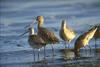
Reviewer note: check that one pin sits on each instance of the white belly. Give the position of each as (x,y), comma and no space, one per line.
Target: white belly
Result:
(35,46)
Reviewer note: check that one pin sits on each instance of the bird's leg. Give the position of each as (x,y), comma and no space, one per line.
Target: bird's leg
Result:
(52,52)
(38,54)
(95,46)
(52,49)
(45,61)
(90,49)
(34,55)
(68,45)
(65,48)
(65,45)
(84,50)
(44,54)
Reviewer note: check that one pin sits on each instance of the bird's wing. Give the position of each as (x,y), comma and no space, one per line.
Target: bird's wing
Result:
(70,30)
(45,33)
(61,34)
(36,39)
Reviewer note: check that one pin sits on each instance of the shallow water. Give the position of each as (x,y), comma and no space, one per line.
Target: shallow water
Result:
(16,14)
(25,58)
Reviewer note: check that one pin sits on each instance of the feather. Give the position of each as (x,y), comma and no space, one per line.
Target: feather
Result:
(47,35)
(36,39)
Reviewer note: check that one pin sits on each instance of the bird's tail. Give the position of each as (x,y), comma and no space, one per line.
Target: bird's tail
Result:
(56,40)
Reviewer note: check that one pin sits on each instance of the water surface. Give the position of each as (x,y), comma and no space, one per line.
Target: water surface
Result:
(16,14)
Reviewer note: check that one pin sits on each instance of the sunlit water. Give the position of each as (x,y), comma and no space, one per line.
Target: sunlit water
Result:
(81,15)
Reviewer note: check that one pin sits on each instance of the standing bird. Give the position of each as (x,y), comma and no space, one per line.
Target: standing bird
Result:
(48,36)
(84,39)
(66,33)
(35,41)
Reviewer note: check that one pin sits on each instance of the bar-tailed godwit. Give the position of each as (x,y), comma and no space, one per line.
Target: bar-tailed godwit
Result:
(35,41)
(48,36)
(66,33)
(84,39)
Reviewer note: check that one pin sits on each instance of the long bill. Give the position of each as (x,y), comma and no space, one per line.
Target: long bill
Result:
(23,34)
(30,23)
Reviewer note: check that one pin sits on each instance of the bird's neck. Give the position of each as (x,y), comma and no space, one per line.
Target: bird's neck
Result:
(40,24)
(32,32)
(63,26)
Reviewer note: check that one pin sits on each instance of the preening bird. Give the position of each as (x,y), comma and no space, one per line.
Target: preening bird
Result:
(84,39)
(66,33)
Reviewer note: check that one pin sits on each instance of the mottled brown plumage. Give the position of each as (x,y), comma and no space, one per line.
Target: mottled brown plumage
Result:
(48,36)
(84,39)
(36,42)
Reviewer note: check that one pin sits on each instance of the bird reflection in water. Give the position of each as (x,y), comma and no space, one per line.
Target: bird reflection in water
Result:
(67,54)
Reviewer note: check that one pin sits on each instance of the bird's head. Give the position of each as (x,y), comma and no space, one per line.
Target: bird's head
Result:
(40,19)
(29,30)
(63,25)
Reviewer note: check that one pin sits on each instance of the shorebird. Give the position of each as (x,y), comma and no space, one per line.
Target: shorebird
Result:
(48,36)
(35,41)
(66,33)
(84,39)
